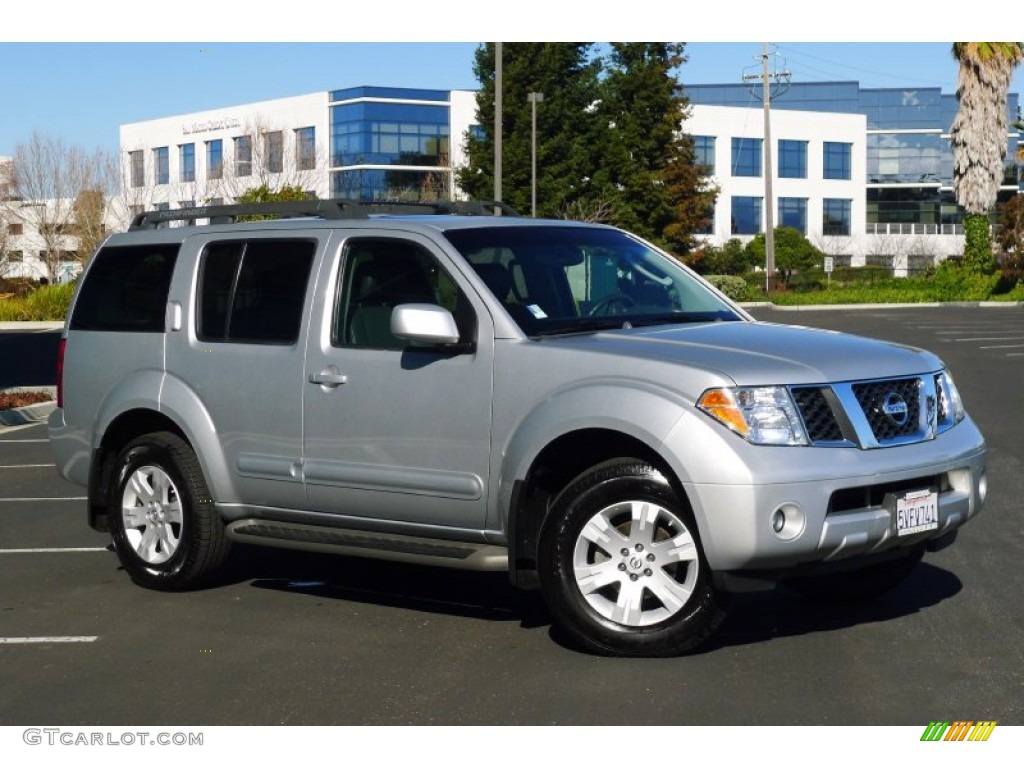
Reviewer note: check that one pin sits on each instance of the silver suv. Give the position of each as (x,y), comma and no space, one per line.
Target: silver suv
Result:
(557,400)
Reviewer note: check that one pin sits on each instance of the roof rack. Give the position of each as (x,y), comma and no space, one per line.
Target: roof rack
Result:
(325,209)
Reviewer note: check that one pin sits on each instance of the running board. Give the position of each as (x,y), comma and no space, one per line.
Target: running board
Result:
(381,546)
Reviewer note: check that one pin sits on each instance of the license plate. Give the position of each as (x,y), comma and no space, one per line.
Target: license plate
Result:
(917,511)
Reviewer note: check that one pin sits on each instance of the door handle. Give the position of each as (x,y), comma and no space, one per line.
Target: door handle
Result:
(329,377)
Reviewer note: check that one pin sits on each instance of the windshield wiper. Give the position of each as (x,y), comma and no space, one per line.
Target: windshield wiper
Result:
(683,317)
(586,325)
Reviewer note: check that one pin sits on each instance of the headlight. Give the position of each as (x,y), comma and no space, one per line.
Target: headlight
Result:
(762,415)
(951,407)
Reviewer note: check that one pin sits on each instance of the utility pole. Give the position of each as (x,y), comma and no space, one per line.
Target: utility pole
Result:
(534,98)
(497,125)
(769,204)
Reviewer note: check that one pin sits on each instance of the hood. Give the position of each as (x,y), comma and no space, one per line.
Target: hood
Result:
(754,353)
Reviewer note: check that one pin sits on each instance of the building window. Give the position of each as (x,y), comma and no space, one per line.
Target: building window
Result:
(792,159)
(187,156)
(305,148)
(243,156)
(15,229)
(273,150)
(161,166)
(136,160)
(746,157)
(214,159)
(704,153)
(837,160)
(836,218)
(15,256)
(389,134)
(746,215)
(793,213)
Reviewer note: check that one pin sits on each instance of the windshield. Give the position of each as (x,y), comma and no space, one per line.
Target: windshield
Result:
(560,279)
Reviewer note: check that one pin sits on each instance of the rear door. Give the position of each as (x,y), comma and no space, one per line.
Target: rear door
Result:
(239,348)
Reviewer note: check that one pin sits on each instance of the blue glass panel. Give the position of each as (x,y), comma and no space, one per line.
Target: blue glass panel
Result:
(793,213)
(746,215)
(837,160)
(746,157)
(704,152)
(792,159)
(836,217)
(885,108)
(161,165)
(376,184)
(366,91)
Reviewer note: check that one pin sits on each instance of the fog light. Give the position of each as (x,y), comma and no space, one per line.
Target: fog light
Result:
(788,521)
(778,521)
(982,487)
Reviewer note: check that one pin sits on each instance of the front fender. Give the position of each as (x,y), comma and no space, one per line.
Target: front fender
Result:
(640,409)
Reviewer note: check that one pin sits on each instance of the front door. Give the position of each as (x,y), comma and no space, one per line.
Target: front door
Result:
(391,430)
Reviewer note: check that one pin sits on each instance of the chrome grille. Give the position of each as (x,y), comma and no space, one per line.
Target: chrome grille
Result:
(892,408)
(821,423)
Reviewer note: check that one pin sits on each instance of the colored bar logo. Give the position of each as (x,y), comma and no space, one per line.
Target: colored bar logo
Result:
(960,730)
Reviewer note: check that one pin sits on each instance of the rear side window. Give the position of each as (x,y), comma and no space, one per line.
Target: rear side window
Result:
(125,289)
(253,291)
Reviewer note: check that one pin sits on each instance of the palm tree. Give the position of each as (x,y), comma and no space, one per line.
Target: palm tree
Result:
(979,139)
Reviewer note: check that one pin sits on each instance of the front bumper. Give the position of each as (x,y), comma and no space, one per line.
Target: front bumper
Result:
(838,502)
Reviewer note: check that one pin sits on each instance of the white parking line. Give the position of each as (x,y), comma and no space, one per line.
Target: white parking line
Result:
(56,639)
(45,498)
(24,466)
(992,338)
(23,441)
(50,550)
(1003,346)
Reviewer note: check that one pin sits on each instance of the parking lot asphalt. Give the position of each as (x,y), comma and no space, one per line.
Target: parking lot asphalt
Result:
(297,639)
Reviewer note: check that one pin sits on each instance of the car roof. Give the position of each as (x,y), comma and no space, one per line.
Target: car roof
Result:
(424,223)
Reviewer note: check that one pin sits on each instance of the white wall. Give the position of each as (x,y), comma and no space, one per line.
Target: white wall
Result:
(726,123)
(198,128)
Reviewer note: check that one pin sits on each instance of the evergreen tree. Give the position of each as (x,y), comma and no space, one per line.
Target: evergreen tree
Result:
(568,77)
(641,111)
(610,144)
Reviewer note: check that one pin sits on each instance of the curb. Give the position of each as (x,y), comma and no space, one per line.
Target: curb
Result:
(28,414)
(31,325)
(844,307)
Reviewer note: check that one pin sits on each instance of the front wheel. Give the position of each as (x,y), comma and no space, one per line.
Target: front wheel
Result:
(164,526)
(621,564)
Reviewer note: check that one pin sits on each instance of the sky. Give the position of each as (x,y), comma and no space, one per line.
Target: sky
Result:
(55,80)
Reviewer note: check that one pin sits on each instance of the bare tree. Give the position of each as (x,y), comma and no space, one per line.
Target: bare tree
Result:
(595,211)
(49,176)
(6,255)
(125,197)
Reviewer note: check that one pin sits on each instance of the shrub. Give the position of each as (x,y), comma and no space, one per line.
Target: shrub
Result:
(732,286)
(50,302)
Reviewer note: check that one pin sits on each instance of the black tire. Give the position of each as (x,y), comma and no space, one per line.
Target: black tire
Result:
(164,526)
(861,584)
(644,597)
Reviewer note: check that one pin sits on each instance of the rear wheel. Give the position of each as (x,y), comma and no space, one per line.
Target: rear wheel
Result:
(165,528)
(621,564)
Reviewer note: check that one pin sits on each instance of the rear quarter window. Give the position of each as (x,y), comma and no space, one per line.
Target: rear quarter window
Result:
(125,289)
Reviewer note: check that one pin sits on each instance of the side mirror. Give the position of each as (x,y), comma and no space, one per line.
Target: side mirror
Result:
(424,323)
